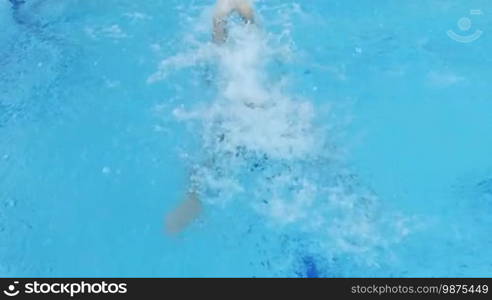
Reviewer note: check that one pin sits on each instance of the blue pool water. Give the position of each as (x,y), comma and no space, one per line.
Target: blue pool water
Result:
(339,138)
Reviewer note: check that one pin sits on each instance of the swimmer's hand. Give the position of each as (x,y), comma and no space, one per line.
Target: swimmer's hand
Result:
(185,214)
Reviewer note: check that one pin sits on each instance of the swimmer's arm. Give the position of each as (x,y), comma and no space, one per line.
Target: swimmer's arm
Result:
(188,210)
(183,215)
(222,12)
(245,10)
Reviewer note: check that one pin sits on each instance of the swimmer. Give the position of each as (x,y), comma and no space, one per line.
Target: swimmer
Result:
(191,207)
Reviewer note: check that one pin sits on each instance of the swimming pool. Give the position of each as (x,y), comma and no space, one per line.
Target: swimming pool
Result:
(340,138)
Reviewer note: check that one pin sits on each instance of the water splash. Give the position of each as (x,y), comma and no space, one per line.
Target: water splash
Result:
(265,146)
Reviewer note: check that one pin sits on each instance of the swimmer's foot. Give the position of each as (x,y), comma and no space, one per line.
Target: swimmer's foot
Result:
(185,214)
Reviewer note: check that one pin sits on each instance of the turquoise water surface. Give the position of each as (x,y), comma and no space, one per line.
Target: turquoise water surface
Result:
(338,138)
